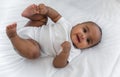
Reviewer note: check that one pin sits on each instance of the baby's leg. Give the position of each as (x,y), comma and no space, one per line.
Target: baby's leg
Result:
(32,13)
(26,47)
(37,23)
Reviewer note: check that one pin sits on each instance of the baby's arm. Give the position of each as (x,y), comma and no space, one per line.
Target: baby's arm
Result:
(61,60)
(50,12)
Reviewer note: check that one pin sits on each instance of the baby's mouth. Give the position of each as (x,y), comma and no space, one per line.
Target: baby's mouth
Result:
(78,38)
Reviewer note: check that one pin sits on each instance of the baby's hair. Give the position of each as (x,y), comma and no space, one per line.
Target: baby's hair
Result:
(99,30)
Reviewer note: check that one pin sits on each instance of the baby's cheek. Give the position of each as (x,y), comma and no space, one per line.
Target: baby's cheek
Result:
(84,45)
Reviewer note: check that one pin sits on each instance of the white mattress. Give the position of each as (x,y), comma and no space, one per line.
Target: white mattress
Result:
(100,61)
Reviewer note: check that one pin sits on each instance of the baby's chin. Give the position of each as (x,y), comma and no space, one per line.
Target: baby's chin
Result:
(75,46)
(79,47)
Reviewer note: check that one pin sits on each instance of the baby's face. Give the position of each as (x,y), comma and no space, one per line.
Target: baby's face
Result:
(85,35)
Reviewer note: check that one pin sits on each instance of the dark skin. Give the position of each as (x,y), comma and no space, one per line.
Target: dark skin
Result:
(82,35)
(60,60)
(30,48)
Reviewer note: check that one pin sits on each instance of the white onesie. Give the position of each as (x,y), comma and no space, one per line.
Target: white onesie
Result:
(50,37)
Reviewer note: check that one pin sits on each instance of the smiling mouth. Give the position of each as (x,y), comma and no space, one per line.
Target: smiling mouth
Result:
(78,38)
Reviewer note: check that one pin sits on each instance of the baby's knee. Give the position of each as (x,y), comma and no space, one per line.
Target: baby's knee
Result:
(34,54)
(34,50)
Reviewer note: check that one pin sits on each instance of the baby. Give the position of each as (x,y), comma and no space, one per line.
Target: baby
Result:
(60,39)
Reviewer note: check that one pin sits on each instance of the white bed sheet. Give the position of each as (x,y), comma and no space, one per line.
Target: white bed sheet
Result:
(100,61)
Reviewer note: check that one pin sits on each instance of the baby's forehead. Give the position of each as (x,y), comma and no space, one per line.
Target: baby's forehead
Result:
(91,25)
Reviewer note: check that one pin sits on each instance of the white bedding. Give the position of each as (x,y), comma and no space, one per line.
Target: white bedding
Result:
(100,61)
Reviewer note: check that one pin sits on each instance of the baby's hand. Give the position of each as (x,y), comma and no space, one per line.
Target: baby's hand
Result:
(66,46)
(42,9)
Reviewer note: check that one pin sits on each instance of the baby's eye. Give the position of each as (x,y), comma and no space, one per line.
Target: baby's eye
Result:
(84,30)
(88,40)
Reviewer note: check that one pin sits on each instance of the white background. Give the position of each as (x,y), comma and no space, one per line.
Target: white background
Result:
(100,61)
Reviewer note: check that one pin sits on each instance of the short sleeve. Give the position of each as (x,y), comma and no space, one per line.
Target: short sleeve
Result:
(62,21)
(73,54)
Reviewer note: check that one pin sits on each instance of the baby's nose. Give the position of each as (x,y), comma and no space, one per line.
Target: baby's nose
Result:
(83,37)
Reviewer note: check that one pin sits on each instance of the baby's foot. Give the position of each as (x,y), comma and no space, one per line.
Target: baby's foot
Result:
(11,30)
(42,9)
(30,10)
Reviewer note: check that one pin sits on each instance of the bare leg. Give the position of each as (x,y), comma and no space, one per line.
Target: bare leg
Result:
(37,23)
(26,47)
(32,13)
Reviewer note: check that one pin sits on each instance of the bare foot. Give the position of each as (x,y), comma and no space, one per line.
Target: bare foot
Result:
(42,9)
(30,10)
(11,30)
